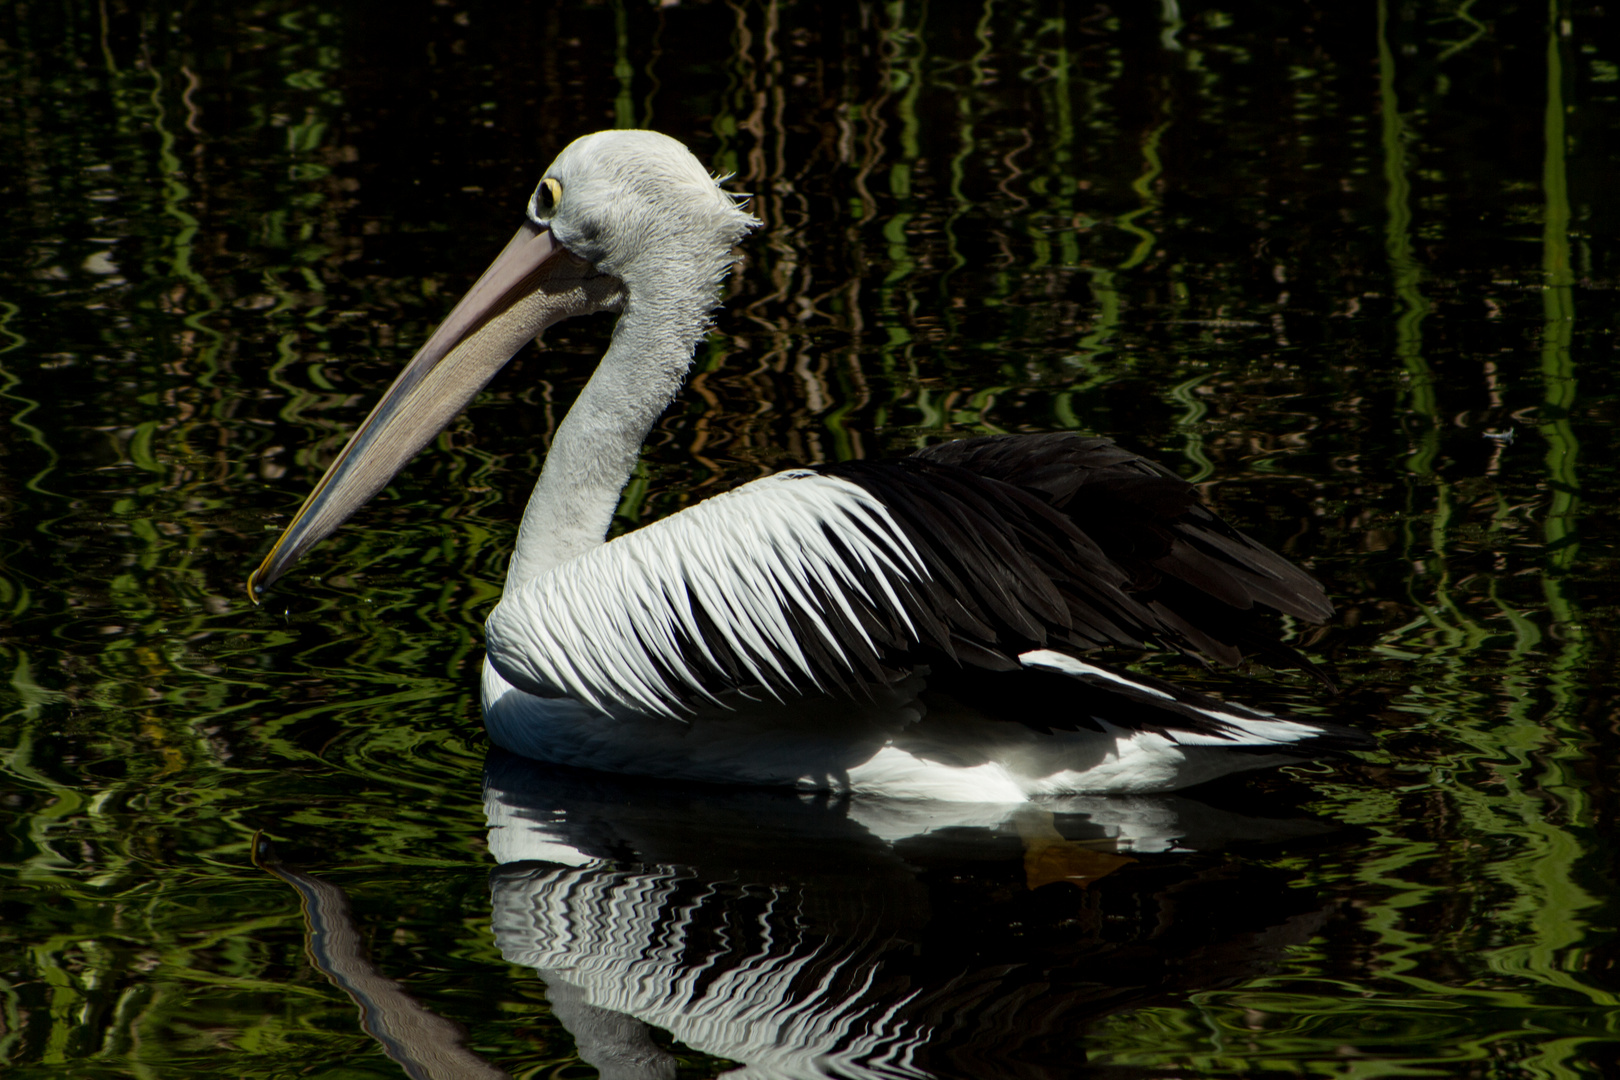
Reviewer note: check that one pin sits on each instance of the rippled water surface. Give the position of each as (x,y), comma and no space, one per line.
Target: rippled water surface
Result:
(1351,267)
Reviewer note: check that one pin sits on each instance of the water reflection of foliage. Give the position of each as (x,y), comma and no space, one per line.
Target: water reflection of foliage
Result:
(1205,233)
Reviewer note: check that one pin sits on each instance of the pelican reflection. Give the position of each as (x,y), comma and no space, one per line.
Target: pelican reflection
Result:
(813,937)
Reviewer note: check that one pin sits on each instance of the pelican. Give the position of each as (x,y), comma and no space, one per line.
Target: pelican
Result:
(919,628)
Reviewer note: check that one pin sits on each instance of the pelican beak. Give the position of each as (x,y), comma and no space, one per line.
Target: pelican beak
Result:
(533,283)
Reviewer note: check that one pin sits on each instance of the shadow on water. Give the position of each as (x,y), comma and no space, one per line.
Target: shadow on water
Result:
(1351,268)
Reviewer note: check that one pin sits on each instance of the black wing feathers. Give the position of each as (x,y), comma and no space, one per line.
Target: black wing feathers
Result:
(1047,541)
(1147,519)
(1052,701)
(1195,583)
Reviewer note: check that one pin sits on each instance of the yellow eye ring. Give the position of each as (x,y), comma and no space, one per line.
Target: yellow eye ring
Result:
(547,195)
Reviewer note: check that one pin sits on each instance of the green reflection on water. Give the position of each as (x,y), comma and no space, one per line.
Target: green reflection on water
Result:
(1404,271)
(1288,250)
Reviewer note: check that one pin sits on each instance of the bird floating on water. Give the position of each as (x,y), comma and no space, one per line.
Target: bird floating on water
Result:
(919,628)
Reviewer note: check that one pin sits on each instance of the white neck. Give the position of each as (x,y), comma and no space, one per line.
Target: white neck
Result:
(599,441)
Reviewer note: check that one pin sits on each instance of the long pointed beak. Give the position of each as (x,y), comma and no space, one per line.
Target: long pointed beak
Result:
(508,306)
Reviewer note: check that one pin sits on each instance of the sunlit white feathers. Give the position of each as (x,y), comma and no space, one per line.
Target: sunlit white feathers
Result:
(618,626)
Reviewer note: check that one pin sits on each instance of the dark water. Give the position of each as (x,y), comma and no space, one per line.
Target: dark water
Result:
(1352,267)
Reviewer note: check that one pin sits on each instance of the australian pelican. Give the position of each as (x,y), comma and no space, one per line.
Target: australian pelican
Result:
(914,628)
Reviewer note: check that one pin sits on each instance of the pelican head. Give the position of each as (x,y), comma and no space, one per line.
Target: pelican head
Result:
(620,218)
(639,206)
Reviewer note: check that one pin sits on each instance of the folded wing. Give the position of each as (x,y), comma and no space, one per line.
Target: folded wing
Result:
(836,579)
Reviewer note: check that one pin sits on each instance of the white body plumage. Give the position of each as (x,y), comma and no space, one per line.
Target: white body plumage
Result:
(605,627)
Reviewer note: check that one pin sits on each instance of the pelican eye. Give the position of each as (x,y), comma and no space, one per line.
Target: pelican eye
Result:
(546,196)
